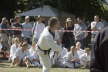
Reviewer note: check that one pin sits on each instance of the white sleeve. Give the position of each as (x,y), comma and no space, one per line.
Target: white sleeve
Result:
(67,56)
(11,51)
(17,53)
(93,25)
(53,45)
(74,30)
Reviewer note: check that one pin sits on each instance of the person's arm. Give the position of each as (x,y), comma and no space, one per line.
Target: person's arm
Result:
(51,43)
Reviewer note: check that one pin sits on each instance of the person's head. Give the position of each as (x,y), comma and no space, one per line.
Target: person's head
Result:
(27,19)
(78,45)
(73,48)
(54,23)
(39,19)
(17,19)
(25,40)
(96,18)
(4,20)
(80,20)
(12,20)
(24,46)
(69,22)
(16,40)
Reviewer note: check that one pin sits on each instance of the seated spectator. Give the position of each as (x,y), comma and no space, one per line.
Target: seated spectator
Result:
(85,58)
(14,48)
(32,58)
(60,58)
(71,58)
(79,50)
(26,41)
(20,54)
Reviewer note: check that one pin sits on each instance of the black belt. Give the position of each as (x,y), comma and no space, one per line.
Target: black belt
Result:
(45,51)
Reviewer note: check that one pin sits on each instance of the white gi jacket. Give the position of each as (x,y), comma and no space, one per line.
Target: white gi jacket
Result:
(46,41)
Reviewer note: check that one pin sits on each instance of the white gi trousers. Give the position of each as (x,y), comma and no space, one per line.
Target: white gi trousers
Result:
(44,60)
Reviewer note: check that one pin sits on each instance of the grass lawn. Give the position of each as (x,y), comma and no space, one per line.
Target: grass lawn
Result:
(4,67)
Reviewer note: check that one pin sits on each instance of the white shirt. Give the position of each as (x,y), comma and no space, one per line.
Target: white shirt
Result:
(64,52)
(85,57)
(97,25)
(69,56)
(20,54)
(46,41)
(13,50)
(32,52)
(80,52)
(1,46)
(39,27)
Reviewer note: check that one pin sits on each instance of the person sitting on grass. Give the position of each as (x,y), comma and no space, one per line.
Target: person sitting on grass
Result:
(32,58)
(85,58)
(20,54)
(13,49)
(71,58)
(60,59)
(79,50)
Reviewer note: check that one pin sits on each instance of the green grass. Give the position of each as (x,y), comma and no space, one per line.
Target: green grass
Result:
(4,67)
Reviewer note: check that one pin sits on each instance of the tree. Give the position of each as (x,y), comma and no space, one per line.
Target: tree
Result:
(7,8)
(85,8)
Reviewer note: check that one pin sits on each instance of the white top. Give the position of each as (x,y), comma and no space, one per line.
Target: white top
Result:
(39,27)
(20,54)
(13,50)
(1,46)
(69,56)
(85,57)
(63,52)
(32,52)
(97,25)
(46,41)
(80,52)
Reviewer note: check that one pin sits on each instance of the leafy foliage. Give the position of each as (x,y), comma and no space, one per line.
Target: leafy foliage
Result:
(78,7)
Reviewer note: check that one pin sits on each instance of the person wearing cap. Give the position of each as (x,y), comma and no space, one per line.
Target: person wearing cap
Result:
(38,28)
(68,37)
(46,43)
(27,29)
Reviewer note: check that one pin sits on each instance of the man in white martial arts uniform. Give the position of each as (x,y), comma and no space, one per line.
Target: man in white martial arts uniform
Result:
(46,43)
